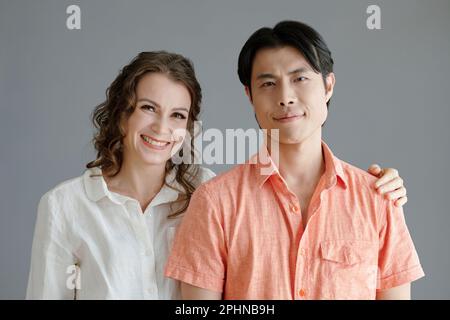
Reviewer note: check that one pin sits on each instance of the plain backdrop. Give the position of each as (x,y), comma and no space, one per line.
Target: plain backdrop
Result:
(390,103)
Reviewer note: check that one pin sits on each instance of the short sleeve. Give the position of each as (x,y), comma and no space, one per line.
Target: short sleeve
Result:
(198,254)
(51,256)
(398,261)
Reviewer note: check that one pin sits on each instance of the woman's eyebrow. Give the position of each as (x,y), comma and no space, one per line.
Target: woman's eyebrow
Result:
(157,104)
(149,100)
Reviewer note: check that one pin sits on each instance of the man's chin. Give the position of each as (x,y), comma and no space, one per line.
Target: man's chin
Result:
(287,137)
(292,141)
(287,140)
(290,137)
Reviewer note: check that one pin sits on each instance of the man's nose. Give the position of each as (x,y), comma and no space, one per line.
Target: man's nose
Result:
(287,96)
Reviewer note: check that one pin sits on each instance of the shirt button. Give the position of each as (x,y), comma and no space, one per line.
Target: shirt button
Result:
(294,208)
(302,293)
(303,252)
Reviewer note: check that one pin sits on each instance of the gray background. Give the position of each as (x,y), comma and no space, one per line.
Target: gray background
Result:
(390,103)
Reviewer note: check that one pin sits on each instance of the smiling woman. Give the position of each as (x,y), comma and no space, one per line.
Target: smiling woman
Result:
(153,92)
(155,120)
(116,222)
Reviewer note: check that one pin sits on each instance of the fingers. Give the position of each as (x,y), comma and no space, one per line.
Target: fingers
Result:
(391,186)
(375,170)
(401,202)
(389,174)
(397,194)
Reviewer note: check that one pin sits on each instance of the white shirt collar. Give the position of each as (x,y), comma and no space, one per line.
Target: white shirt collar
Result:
(96,188)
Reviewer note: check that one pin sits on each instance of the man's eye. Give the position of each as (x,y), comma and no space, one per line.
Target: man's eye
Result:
(268,84)
(179,115)
(300,79)
(148,107)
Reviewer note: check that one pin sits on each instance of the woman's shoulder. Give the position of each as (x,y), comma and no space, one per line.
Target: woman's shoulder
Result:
(68,190)
(196,175)
(204,174)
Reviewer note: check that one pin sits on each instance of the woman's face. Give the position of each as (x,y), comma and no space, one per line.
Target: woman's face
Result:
(155,129)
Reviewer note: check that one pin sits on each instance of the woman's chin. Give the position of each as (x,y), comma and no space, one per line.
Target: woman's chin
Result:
(154,160)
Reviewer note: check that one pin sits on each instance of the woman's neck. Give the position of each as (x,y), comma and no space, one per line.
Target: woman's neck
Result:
(138,181)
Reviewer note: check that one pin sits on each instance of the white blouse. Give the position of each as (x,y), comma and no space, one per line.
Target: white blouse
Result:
(91,243)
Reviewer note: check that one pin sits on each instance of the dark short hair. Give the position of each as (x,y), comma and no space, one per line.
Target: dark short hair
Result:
(286,33)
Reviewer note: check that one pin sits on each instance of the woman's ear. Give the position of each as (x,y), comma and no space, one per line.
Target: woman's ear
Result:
(330,81)
(123,125)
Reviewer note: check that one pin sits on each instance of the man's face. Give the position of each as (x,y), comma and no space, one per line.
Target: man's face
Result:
(287,94)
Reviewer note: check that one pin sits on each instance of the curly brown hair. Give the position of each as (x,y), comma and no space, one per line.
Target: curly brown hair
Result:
(120,103)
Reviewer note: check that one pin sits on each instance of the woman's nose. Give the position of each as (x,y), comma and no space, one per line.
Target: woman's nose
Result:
(160,126)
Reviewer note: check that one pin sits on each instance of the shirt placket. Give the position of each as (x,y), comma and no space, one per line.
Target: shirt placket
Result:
(292,208)
(301,251)
(147,254)
(302,290)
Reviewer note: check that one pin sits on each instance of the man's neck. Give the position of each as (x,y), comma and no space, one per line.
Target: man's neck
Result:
(301,165)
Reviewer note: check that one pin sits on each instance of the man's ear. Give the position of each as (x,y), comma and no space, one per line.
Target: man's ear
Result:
(330,80)
(248,93)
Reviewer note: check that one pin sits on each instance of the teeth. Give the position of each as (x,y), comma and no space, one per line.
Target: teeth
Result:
(153,142)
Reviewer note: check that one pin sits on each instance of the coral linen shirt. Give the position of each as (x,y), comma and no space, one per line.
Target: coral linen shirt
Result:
(243,235)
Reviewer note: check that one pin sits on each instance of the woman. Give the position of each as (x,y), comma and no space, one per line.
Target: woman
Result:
(107,233)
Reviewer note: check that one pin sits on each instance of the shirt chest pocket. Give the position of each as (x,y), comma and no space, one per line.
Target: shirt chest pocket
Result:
(349,252)
(349,268)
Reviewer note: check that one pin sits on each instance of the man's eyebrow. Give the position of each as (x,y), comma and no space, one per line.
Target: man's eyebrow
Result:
(157,104)
(271,76)
(181,109)
(265,76)
(299,70)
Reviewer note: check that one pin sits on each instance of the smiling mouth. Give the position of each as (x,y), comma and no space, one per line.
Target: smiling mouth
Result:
(288,117)
(154,142)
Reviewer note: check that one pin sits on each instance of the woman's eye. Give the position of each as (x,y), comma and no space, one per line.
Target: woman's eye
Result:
(300,79)
(148,107)
(179,115)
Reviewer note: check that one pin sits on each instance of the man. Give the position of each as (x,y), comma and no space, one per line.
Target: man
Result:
(314,228)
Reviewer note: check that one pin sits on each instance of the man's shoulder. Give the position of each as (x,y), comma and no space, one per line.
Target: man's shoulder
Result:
(229,180)
(359,179)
